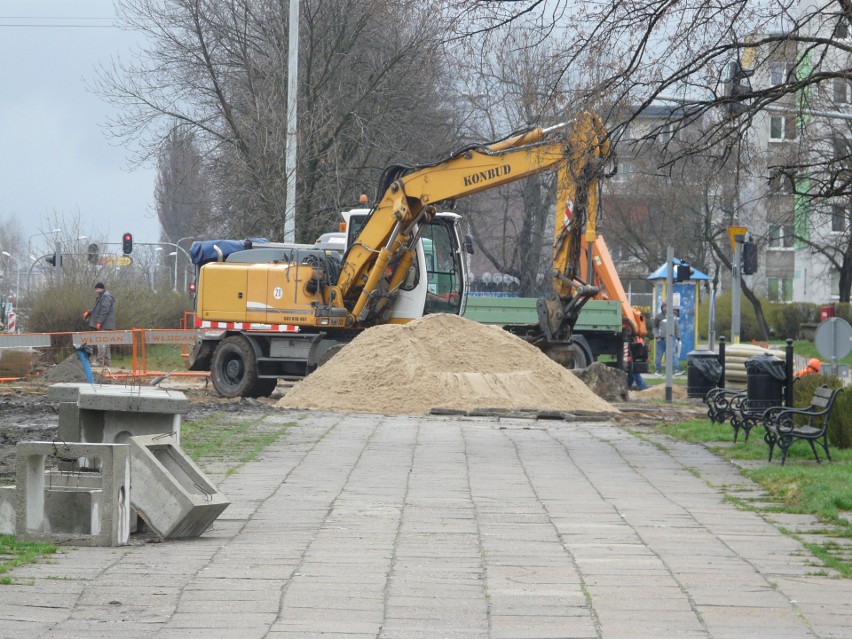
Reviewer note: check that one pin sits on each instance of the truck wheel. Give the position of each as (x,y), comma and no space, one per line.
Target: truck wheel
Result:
(234,369)
(263,387)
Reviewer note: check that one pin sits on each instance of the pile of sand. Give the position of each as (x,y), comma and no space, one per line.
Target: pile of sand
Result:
(441,361)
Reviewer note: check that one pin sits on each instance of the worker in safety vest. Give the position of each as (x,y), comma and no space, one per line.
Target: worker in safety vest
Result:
(811,369)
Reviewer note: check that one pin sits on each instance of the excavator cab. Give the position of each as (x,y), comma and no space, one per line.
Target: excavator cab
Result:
(440,257)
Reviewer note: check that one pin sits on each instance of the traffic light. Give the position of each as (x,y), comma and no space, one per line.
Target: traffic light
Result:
(94,249)
(191,288)
(127,243)
(51,259)
(749,258)
(683,272)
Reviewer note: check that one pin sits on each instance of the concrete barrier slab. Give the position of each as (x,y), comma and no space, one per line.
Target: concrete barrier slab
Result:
(146,399)
(64,513)
(7,510)
(169,492)
(105,414)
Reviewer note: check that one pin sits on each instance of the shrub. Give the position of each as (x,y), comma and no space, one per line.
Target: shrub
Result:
(840,427)
(748,323)
(59,305)
(785,319)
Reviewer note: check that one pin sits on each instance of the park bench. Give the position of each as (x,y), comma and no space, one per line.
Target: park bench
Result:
(724,405)
(784,426)
(718,401)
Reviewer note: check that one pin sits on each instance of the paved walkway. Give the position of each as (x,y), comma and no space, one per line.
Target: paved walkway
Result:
(407,527)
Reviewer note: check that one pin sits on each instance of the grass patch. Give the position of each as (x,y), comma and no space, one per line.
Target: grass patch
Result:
(15,553)
(225,438)
(807,350)
(799,487)
(158,357)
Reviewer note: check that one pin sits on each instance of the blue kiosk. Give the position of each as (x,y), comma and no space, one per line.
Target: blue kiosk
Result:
(685,297)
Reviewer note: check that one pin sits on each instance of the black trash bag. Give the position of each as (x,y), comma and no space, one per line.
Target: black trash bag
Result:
(709,367)
(766,363)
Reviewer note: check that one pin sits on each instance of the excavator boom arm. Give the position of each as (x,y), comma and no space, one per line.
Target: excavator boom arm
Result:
(376,264)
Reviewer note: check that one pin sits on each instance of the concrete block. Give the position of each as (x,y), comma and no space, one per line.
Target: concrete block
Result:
(107,414)
(72,511)
(90,510)
(7,510)
(170,493)
(77,480)
(111,397)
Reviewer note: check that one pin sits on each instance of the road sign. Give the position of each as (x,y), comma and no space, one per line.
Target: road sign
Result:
(115,260)
(733,231)
(833,338)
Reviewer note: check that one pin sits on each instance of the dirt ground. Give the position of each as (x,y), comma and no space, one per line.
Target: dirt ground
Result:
(27,415)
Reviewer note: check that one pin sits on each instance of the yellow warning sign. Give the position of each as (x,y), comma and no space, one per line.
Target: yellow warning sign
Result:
(733,231)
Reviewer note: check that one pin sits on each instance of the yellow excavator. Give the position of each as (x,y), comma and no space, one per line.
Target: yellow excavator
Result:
(284,313)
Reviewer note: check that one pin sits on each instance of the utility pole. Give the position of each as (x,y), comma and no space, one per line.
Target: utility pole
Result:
(292,129)
(670,349)
(735,288)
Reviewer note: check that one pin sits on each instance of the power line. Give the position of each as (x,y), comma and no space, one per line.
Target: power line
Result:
(61,26)
(43,24)
(52,18)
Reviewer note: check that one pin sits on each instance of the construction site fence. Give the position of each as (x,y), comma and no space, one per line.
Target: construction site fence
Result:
(138,352)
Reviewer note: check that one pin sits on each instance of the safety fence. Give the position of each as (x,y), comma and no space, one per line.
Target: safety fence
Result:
(138,352)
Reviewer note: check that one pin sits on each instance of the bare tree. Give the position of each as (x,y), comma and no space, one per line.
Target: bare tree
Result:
(511,86)
(367,93)
(738,68)
(181,193)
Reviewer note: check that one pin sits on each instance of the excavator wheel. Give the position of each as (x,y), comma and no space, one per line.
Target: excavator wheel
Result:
(327,355)
(581,358)
(233,370)
(571,356)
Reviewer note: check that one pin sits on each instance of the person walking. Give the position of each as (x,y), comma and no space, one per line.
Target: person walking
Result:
(634,380)
(660,337)
(102,318)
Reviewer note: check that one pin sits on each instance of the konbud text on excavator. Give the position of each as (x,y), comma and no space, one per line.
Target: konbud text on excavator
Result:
(268,310)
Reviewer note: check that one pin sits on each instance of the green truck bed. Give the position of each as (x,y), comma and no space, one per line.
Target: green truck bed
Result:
(597,315)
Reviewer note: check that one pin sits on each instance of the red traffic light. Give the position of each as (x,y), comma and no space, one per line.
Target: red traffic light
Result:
(127,243)
(191,287)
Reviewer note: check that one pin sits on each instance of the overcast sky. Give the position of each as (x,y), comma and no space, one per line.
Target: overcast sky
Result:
(54,155)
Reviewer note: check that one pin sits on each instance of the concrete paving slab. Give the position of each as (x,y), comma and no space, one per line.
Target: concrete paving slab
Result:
(414,527)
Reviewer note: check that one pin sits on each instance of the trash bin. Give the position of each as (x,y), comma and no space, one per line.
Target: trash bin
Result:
(703,372)
(765,377)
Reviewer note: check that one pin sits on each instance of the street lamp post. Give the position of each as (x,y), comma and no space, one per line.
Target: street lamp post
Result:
(175,254)
(18,281)
(188,258)
(158,251)
(56,232)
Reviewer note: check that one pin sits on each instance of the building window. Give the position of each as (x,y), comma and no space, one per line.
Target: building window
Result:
(839,217)
(782,127)
(776,127)
(779,72)
(625,171)
(841,91)
(835,285)
(666,132)
(780,289)
(780,236)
